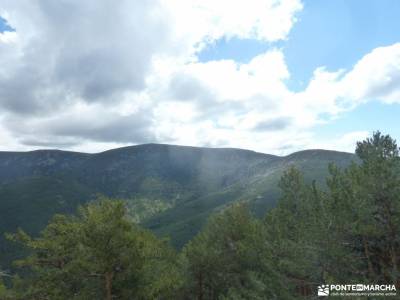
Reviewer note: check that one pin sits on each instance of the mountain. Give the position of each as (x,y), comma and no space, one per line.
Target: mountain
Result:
(169,189)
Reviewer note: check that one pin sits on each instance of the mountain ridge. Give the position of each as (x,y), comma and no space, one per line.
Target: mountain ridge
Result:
(44,150)
(168,188)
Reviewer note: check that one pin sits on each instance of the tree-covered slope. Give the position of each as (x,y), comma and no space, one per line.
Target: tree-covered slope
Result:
(170,189)
(17,165)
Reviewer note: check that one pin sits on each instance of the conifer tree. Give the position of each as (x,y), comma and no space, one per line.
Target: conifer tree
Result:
(98,254)
(230,259)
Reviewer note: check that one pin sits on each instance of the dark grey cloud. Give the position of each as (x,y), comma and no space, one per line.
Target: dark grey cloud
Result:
(71,52)
(87,50)
(274,124)
(18,96)
(123,129)
(50,143)
(70,130)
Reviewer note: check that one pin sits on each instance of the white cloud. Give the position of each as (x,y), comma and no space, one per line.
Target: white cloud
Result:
(8,141)
(8,37)
(199,22)
(250,104)
(375,76)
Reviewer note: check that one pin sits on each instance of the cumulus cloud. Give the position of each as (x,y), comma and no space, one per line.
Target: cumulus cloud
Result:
(84,123)
(250,104)
(375,76)
(199,22)
(69,54)
(67,51)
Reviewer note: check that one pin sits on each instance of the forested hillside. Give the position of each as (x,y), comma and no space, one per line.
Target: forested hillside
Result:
(347,231)
(169,189)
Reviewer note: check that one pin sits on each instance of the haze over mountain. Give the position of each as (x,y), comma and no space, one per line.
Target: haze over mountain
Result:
(169,189)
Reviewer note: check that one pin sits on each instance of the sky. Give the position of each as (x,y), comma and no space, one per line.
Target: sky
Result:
(274,76)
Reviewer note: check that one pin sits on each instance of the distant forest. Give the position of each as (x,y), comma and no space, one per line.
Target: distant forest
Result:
(345,232)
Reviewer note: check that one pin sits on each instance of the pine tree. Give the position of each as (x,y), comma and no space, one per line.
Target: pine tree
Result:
(230,259)
(364,201)
(98,254)
(292,230)
(380,181)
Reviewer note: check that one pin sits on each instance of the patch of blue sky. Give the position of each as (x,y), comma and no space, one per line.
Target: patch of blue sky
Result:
(371,116)
(336,34)
(239,50)
(4,25)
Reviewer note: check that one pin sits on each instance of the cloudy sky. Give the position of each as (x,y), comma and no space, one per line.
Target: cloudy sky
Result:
(274,76)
